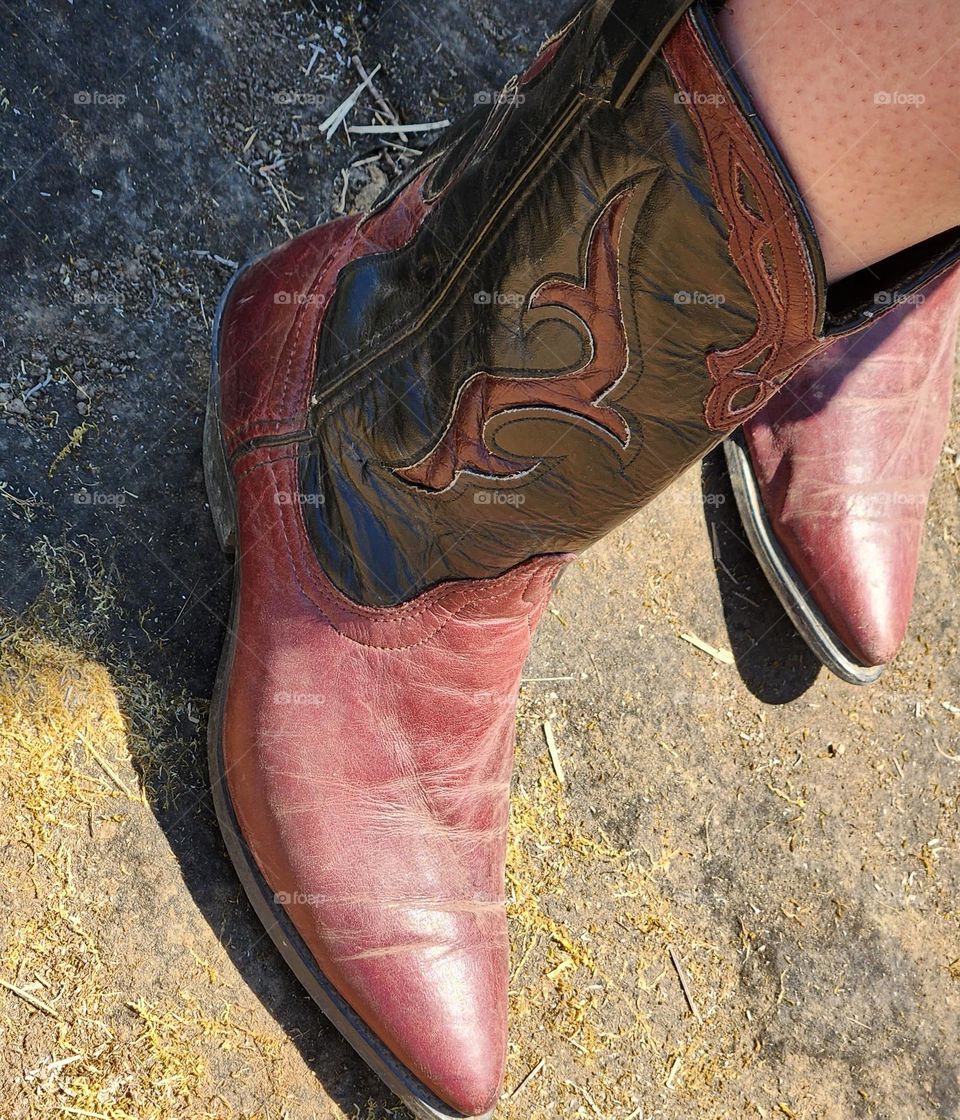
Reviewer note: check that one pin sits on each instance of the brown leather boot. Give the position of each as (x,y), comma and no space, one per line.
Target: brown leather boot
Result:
(832,480)
(414,419)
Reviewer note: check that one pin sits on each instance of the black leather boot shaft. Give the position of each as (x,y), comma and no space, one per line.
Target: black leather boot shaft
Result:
(586,288)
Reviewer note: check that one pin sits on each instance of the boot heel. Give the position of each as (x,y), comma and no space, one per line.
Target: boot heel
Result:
(216,474)
(219,495)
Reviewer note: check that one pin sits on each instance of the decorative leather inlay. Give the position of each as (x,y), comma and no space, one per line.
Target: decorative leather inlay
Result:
(577,394)
(765,240)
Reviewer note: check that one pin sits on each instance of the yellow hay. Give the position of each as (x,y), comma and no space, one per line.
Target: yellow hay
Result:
(88,1048)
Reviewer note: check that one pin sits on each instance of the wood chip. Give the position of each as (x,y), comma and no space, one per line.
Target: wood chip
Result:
(317,51)
(553,752)
(724,656)
(529,1077)
(396,129)
(109,770)
(683,983)
(34,1001)
(377,95)
(51,1067)
(339,115)
(593,662)
(341,207)
(591,1102)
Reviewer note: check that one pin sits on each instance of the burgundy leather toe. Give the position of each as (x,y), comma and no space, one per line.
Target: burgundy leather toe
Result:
(844,458)
(368,756)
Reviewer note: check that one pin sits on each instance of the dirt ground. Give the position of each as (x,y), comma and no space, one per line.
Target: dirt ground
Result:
(742,901)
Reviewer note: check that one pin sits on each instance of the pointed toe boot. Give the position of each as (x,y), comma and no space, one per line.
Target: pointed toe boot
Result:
(832,480)
(361,755)
(416,418)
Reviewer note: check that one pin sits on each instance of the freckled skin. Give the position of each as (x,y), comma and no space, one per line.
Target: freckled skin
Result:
(865,110)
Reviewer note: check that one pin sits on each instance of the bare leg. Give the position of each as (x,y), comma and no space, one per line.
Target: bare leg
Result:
(864,103)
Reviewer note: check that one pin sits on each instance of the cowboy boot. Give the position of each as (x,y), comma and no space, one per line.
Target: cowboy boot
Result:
(415,419)
(832,480)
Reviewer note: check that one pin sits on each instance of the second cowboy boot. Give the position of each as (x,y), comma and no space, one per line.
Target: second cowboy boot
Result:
(832,480)
(415,418)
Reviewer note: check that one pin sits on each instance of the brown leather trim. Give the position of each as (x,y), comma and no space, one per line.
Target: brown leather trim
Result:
(595,302)
(389,228)
(765,239)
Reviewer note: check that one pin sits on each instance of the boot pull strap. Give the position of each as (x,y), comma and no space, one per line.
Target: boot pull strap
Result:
(627,40)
